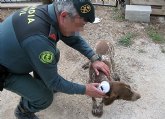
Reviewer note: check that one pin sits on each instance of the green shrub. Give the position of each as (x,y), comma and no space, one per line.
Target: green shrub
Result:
(127,39)
(155,35)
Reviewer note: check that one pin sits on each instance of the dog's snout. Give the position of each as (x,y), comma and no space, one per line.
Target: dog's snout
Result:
(136,96)
(139,96)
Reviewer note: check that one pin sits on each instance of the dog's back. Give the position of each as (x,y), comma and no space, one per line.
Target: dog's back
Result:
(106,50)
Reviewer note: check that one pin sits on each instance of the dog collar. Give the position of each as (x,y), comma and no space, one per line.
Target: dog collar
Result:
(110,90)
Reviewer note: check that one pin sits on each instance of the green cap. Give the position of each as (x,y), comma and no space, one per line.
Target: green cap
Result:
(85,9)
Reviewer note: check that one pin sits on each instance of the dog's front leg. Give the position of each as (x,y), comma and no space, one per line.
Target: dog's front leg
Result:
(97,110)
(94,106)
(100,108)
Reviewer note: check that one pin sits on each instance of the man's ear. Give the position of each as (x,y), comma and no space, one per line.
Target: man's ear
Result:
(63,14)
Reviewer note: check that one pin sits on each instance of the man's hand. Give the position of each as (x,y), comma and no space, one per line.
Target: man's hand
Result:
(99,65)
(93,91)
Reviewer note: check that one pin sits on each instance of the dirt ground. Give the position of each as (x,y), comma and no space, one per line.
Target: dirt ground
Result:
(141,65)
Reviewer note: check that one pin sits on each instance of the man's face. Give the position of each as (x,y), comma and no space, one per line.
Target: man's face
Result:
(71,24)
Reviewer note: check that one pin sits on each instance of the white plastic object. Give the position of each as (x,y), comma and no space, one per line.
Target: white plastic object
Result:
(97,20)
(104,86)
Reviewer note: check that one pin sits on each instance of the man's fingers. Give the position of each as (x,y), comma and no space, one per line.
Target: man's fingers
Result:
(101,94)
(97,72)
(96,84)
(93,91)
(106,71)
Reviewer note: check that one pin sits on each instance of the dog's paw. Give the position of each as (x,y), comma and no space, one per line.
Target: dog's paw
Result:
(86,65)
(97,110)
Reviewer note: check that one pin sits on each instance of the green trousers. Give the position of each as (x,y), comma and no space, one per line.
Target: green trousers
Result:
(35,95)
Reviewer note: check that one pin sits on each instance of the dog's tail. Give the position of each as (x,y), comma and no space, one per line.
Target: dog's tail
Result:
(104,47)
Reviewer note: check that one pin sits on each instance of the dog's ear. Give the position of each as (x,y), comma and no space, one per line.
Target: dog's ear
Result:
(110,100)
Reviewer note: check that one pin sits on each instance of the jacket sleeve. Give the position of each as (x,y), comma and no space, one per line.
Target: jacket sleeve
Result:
(79,44)
(35,47)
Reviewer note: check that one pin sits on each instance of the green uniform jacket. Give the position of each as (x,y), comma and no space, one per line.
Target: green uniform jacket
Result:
(28,41)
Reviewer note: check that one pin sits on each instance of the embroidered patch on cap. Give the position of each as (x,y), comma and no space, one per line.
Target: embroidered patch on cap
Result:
(85,8)
(46,57)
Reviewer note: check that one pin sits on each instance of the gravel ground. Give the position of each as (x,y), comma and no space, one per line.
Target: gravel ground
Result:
(141,65)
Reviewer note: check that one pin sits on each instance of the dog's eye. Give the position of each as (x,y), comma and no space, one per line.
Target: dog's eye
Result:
(129,87)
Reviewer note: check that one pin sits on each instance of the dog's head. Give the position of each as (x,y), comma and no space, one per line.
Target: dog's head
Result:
(120,90)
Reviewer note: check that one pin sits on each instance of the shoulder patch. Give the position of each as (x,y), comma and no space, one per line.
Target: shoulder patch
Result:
(46,57)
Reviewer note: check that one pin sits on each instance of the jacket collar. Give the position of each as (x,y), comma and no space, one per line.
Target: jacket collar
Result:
(53,18)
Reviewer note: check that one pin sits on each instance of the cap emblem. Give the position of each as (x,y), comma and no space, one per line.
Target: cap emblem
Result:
(85,8)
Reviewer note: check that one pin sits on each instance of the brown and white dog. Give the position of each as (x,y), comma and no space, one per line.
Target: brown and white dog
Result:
(118,90)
